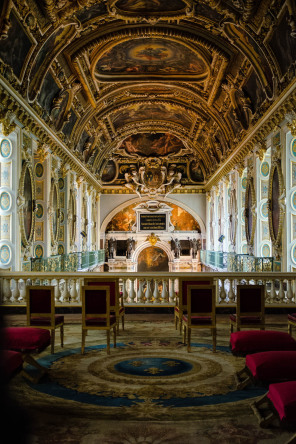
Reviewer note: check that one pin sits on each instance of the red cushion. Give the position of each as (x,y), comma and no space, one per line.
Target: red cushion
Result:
(257,341)
(26,339)
(100,322)
(46,321)
(292,317)
(272,365)
(246,319)
(283,397)
(12,361)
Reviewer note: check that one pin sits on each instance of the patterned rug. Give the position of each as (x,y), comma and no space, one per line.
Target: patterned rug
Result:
(148,390)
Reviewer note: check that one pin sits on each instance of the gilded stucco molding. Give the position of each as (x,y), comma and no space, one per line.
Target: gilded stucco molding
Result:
(276,115)
(31,121)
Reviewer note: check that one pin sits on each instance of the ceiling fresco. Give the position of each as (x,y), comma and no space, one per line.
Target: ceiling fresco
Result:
(152,145)
(181,85)
(154,58)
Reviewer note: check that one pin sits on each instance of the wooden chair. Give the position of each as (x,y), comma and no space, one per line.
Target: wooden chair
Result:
(181,298)
(291,322)
(116,300)
(41,311)
(96,312)
(249,308)
(201,311)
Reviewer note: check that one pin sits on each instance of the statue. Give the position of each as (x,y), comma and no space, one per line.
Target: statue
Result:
(195,245)
(176,246)
(130,247)
(133,181)
(173,180)
(111,247)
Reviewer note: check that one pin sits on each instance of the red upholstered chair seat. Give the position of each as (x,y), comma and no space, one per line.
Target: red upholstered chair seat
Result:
(12,361)
(272,365)
(198,320)
(100,321)
(26,339)
(246,319)
(259,341)
(292,317)
(283,397)
(46,321)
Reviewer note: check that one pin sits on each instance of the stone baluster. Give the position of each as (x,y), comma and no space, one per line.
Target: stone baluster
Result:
(164,293)
(140,293)
(132,294)
(231,295)
(57,292)
(281,295)
(156,293)
(172,290)
(289,292)
(148,294)
(22,289)
(15,292)
(6,291)
(222,291)
(124,290)
(272,295)
(73,290)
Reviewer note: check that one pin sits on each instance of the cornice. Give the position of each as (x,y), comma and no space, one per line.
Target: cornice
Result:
(26,115)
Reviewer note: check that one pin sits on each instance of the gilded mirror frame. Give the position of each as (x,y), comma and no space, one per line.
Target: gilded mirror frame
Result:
(54,212)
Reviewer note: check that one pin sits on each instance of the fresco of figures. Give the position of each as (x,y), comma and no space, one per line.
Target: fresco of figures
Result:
(153,259)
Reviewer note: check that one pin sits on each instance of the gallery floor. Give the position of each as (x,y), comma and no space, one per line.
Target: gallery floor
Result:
(148,390)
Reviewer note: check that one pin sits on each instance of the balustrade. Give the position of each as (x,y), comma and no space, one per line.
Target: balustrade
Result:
(147,288)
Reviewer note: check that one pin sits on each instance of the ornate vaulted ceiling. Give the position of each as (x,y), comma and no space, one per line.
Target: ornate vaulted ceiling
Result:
(123,81)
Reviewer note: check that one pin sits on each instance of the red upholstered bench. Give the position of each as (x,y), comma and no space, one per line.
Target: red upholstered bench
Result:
(282,397)
(27,340)
(271,366)
(11,363)
(246,342)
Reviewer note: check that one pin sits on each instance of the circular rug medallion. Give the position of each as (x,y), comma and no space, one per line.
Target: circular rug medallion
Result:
(159,373)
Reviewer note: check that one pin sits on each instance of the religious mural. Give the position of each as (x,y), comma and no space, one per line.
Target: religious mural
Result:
(140,113)
(195,171)
(48,92)
(156,57)
(152,145)
(94,11)
(283,45)
(17,46)
(153,259)
(146,6)
(180,219)
(109,172)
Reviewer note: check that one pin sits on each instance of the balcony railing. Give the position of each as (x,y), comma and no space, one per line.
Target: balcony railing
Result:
(151,289)
(68,262)
(236,262)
